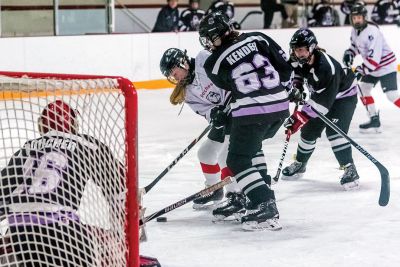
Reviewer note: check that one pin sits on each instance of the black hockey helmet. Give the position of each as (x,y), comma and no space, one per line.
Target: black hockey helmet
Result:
(213,27)
(356,10)
(303,38)
(172,57)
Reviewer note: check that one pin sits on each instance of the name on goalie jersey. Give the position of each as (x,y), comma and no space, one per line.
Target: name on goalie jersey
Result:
(241,52)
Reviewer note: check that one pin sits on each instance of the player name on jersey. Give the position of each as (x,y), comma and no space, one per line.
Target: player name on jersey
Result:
(241,52)
(56,143)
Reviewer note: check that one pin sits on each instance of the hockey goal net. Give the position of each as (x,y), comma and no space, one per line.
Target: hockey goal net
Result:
(93,219)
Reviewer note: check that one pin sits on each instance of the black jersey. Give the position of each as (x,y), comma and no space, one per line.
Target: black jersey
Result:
(190,19)
(326,81)
(52,172)
(225,7)
(385,12)
(253,67)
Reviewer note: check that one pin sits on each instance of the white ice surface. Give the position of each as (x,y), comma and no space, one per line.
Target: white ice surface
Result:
(322,224)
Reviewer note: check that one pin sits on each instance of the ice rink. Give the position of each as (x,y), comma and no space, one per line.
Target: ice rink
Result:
(322,224)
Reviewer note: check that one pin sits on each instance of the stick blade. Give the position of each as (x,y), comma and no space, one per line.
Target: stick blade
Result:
(385,186)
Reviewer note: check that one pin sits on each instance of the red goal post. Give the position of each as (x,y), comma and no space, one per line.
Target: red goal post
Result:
(82,91)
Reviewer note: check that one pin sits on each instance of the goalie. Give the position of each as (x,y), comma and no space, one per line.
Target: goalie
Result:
(42,188)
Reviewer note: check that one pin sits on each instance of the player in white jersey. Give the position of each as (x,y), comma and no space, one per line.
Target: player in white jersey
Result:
(379,64)
(195,89)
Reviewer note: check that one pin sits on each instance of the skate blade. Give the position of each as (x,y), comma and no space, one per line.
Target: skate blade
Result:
(371,130)
(294,177)
(234,218)
(207,206)
(270,224)
(351,186)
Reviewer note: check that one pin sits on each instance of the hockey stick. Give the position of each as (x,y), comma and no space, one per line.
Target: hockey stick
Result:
(285,146)
(148,187)
(254,12)
(385,179)
(186,200)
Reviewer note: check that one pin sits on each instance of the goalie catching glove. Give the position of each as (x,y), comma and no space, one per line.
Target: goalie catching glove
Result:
(218,117)
(295,122)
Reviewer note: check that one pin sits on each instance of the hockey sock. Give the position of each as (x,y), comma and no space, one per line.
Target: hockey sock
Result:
(394,97)
(211,173)
(341,148)
(305,149)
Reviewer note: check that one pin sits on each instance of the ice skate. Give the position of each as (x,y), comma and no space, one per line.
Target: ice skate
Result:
(232,210)
(209,201)
(350,180)
(294,171)
(373,126)
(264,217)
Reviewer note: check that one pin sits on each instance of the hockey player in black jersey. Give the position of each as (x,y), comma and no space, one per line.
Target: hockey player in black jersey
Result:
(253,67)
(333,92)
(42,187)
(190,18)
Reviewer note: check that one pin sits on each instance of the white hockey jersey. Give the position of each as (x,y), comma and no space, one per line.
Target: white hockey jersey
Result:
(202,95)
(378,57)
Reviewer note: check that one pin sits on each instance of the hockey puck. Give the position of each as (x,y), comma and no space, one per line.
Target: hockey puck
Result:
(161,219)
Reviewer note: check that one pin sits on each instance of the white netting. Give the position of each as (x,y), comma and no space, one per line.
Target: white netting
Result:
(62,197)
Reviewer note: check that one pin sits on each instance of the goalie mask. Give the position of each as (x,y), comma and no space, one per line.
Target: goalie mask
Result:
(303,38)
(172,58)
(212,29)
(359,10)
(58,116)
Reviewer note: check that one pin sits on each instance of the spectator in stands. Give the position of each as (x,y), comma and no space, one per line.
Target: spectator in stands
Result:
(385,12)
(168,18)
(269,7)
(345,7)
(323,15)
(225,7)
(190,18)
(291,7)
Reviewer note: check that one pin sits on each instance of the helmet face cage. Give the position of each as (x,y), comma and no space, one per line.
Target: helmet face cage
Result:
(58,116)
(358,10)
(212,28)
(172,58)
(303,38)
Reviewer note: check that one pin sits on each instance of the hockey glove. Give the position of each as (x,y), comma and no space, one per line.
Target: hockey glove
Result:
(296,96)
(359,72)
(218,117)
(296,121)
(348,58)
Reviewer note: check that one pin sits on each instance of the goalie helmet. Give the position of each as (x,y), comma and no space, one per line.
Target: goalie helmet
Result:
(58,116)
(172,57)
(303,38)
(213,28)
(359,9)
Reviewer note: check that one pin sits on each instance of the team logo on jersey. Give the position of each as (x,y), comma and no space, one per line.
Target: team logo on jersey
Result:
(214,98)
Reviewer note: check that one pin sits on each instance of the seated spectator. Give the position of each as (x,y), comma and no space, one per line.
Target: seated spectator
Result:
(168,18)
(345,7)
(225,7)
(385,12)
(291,7)
(190,18)
(323,15)
(269,7)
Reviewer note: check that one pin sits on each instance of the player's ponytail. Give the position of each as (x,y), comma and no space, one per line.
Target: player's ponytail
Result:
(178,94)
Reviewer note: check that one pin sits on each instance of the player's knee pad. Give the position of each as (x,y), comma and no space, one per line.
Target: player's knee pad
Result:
(392,95)
(209,151)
